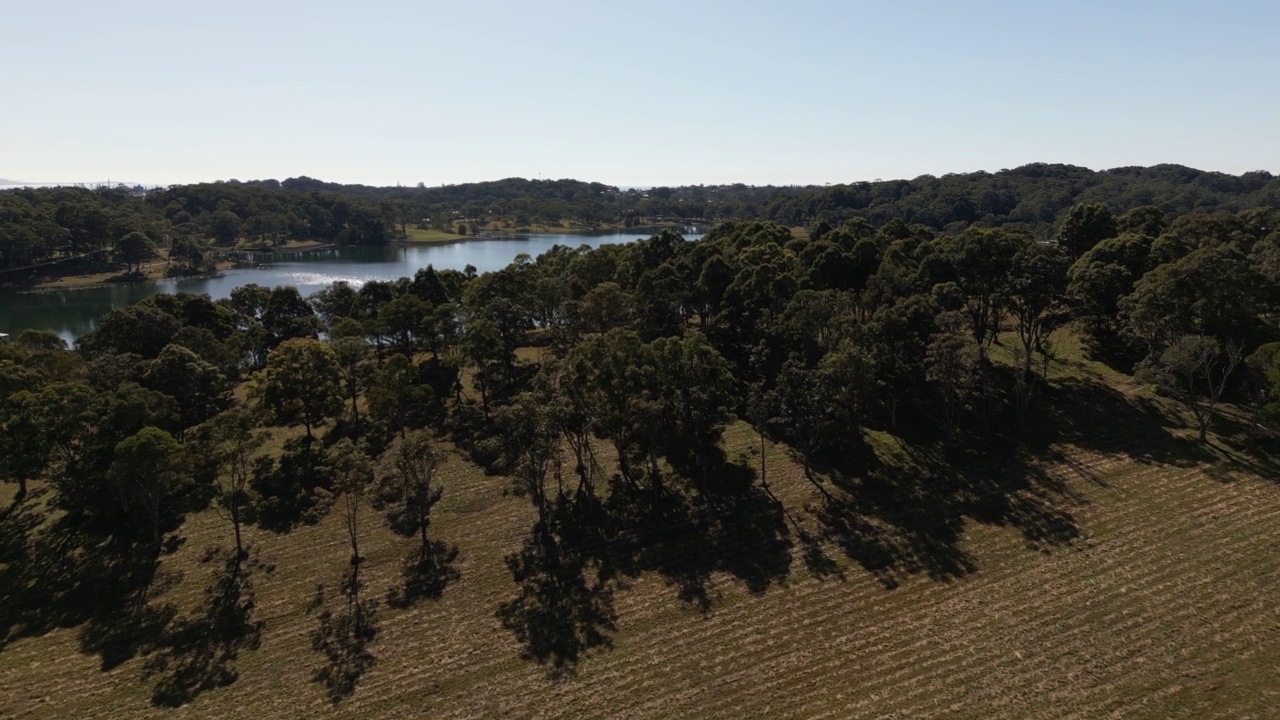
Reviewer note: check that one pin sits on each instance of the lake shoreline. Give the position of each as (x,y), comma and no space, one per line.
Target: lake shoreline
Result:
(73,306)
(156,271)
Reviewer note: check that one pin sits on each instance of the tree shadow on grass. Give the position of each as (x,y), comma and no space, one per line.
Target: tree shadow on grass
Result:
(686,527)
(723,523)
(894,523)
(897,520)
(565,604)
(198,654)
(342,639)
(1093,416)
(55,576)
(1011,492)
(425,577)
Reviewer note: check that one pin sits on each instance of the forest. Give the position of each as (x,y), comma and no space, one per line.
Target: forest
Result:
(126,226)
(597,385)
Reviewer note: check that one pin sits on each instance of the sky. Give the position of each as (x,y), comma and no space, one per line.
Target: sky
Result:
(630,93)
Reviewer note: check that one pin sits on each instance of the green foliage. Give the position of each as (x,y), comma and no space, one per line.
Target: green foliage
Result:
(609,379)
(1084,227)
(133,249)
(1264,366)
(300,383)
(148,470)
(1195,370)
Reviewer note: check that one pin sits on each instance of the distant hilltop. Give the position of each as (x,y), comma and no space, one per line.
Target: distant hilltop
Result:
(91,185)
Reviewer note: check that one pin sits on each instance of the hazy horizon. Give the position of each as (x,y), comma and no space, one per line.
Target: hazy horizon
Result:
(664,93)
(8,183)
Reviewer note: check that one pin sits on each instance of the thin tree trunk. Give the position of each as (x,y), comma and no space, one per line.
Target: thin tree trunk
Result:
(235,522)
(764,480)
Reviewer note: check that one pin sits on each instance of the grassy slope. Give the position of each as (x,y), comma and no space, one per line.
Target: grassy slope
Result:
(1165,605)
(418,236)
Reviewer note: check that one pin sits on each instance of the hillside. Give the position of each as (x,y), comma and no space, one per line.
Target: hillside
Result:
(1120,571)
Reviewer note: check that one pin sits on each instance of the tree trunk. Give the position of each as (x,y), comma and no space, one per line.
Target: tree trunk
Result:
(764,480)
(422,528)
(155,531)
(235,522)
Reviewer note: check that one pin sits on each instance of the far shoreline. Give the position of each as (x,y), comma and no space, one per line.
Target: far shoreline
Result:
(157,271)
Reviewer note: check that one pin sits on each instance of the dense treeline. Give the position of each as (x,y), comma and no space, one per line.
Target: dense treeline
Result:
(647,351)
(47,224)
(1033,194)
(127,227)
(43,225)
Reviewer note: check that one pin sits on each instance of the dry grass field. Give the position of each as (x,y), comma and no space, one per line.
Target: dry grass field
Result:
(1120,572)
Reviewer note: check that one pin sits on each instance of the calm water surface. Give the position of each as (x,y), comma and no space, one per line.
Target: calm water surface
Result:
(72,313)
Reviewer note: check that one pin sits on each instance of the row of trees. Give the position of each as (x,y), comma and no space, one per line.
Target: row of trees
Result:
(646,352)
(1036,195)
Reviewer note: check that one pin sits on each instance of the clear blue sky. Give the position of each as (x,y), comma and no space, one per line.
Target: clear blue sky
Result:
(634,93)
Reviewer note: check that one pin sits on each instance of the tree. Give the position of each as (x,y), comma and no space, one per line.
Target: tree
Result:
(343,637)
(951,371)
(1146,220)
(394,393)
(140,328)
(530,447)
(350,352)
(287,315)
(24,439)
(40,341)
(199,387)
(352,477)
(300,383)
(1099,279)
(697,391)
(982,260)
(406,320)
(230,441)
(1212,291)
(1037,286)
(484,349)
(409,492)
(817,409)
(1264,369)
(1085,226)
(1195,369)
(133,249)
(148,472)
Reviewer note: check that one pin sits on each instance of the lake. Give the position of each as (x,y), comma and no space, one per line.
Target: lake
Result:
(75,312)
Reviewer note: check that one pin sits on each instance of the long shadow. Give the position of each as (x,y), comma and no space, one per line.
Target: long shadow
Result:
(1011,492)
(721,522)
(1255,455)
(894,522)
(899,521)
(1093,416)
(342,638)
(690,526)
(198,654)
(425,577)
(565,604)
(57,577)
